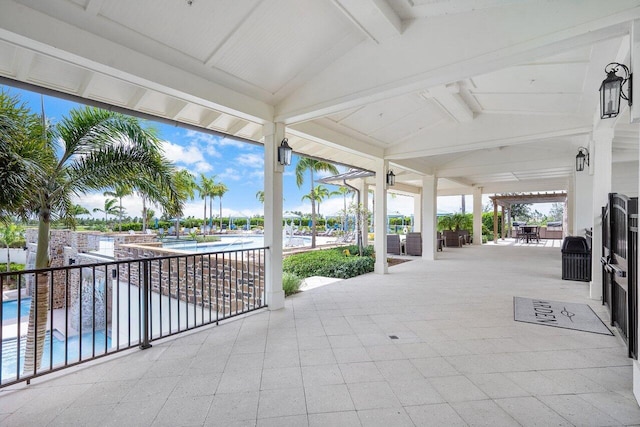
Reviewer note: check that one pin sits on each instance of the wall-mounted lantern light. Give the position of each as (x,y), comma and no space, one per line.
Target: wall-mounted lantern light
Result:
(284,153)
(611,90)
(582,159)
(391,179)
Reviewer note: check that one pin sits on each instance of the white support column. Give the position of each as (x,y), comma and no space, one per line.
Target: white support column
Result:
(477,215)
(429,216)
(567,213)
(582,200)
(273,134)
(600,155)
(364,200)
(380,215)
(417,212)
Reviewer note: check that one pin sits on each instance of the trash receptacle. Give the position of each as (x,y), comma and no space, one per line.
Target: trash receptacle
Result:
(576,259)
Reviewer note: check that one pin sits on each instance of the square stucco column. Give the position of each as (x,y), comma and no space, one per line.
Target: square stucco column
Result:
(582,200)
(600,155)
(429,221)
(477,215)
(417,212)
(380,215)
(364,200)
(273,134)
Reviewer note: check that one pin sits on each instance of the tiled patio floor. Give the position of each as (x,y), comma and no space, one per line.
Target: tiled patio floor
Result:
(327,359)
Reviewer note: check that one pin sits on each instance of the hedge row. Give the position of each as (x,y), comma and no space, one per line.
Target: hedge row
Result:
(341,263)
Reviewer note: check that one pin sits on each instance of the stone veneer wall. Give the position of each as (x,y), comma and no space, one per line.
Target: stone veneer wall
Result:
(228,283)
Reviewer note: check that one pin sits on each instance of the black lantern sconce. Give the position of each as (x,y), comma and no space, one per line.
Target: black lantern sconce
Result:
(611,90)
(72,261)
(391,178)
(284,153)
(582,158)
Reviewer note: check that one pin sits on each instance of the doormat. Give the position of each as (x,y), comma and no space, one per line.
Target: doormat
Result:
(566,315)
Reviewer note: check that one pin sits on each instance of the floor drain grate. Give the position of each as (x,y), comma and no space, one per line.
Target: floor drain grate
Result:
(393,337)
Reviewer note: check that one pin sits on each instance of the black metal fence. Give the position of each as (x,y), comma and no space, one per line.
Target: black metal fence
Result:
(93,310)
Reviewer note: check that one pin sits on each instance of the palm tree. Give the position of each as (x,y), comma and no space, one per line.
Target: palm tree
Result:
(110,208)
(260,196)
(343,191)
(205,188)
(320,193)
(9,234)
(76,210)
(312,166)
(89,150)
(185,185)
(218,190)
(20,155)
(119,192)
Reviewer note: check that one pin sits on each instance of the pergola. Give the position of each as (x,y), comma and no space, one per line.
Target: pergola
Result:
(506,200)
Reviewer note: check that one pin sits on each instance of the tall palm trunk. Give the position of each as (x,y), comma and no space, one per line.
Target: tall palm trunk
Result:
(221,213)
(144,215)
(204,223)
(210,214)
(36,330)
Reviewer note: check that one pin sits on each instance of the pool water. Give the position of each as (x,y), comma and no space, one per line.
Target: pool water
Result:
(9,351)
(10,309)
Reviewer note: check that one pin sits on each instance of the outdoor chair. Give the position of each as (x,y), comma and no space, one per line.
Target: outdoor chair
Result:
(393,244)
(452,239)
(413,244)
(466,236)
(440,240)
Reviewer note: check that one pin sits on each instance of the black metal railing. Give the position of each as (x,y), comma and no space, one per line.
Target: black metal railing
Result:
(93,310)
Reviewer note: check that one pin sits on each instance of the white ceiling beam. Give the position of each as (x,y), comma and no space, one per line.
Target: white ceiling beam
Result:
(136,98)
(93,7)
(236,126)
(85,84)
(331,138)
(451,103)
(23,60)
(411,65)
(40,33)
(375,18)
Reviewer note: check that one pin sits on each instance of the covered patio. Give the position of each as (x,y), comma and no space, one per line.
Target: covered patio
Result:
(427,344)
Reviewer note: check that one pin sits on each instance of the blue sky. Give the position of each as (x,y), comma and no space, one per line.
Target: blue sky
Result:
(238,164)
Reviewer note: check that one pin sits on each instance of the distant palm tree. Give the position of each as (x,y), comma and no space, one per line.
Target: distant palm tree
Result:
(311,165)
(219,189)
(110,208)
(260,196)
(343,191)
(185,185)
(120,191)
(89,150)
(73,215)
(205,189)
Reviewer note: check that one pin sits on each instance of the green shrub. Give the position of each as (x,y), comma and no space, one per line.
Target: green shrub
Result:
(207,239)
(290,283)
(14,267)
(330,263)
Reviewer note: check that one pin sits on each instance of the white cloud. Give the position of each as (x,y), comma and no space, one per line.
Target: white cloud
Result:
(250,160)
(187,155)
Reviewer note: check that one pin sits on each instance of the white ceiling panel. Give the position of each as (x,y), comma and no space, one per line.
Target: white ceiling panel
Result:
(541,103)
(269,51)
(534,78)
(110,90)
(372,117)
(7,54)
(197,30)
(56,74)
(428,117)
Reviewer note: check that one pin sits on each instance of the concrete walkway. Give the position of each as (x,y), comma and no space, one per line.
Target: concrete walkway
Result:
(329,359)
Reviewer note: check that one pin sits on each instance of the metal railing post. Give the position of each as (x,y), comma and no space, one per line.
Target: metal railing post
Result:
(146,288)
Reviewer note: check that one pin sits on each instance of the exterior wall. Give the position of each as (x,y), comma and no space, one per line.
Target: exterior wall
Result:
(224,282)
(624,178)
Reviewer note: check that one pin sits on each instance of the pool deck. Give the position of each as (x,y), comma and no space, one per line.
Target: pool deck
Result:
(430,343)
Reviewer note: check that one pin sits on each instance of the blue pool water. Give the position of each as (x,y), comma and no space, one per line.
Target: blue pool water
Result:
(10,309)
(9,351)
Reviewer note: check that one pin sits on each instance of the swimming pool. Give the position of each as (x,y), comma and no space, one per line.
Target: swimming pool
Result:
(233,243)
(10,309)
(9,351)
